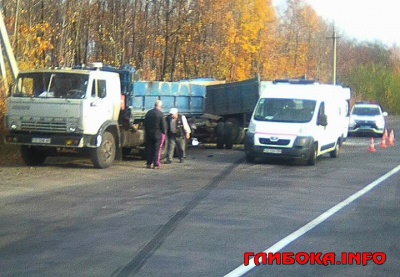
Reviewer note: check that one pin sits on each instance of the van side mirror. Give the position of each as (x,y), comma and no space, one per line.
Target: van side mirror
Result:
(322,120)
(385,114)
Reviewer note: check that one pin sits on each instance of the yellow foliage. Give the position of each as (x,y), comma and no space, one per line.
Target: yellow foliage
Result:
(35,42)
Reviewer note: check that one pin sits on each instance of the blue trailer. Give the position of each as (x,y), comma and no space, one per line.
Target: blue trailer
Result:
(217,111)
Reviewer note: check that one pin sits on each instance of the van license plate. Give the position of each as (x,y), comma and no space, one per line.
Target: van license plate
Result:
(272,151)
(41,140)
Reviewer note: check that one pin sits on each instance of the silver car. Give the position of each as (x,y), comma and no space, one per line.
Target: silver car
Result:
(367,118)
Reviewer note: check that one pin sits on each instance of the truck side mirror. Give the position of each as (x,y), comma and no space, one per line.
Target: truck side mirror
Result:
(322,120)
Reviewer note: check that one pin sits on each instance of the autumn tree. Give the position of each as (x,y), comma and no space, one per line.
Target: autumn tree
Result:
(183,39)
(302,44)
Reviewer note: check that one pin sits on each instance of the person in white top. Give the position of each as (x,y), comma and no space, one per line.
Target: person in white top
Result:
(178,131)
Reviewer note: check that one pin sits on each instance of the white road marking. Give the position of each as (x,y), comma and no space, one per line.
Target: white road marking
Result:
(241,270)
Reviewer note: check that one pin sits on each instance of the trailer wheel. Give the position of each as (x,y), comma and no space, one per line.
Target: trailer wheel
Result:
(104,155)
(220,133)
(237,136)
(228,135)
(32,156)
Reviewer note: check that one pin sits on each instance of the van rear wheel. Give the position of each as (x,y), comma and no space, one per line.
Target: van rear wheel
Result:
(335,152)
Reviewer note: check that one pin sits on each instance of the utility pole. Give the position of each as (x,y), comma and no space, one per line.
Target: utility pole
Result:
(334,38)
(5,42)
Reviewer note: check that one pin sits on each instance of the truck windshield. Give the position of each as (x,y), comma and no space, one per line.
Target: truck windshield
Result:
(51,85)
(285,110)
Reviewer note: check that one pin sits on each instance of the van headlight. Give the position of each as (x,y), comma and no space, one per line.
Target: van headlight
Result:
(252,127)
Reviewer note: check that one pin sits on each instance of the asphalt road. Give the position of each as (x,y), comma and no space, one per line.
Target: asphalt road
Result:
(200,217)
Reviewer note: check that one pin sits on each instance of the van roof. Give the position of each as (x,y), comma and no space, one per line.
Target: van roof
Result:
(313,91)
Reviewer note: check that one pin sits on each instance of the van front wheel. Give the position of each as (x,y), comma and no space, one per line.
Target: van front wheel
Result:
(313,155)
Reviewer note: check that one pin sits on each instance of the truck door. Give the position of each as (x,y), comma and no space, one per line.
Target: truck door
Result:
(101,108)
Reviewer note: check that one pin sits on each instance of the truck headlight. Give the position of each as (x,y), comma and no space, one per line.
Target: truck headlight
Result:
(14,125)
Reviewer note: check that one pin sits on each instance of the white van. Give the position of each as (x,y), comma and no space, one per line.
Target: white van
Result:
(300,120)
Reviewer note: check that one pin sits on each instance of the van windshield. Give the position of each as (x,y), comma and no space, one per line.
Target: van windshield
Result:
(285,110)
(51,85)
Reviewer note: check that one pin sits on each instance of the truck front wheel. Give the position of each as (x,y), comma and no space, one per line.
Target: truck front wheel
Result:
(104,155)
(32,156)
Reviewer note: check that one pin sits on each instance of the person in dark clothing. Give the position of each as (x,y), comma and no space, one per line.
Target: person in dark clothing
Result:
(178,131)
(155,129)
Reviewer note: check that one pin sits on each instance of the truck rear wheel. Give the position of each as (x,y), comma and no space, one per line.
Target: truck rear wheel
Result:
(228,135)
(104,155)
(32,156)
(237,131)
(220,133)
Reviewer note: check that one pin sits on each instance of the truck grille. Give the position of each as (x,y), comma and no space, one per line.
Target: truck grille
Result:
(43,126)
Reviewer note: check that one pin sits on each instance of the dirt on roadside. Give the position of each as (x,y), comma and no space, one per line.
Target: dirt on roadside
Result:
(9,154)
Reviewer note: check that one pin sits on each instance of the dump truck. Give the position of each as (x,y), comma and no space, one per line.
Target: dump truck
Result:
(99,111)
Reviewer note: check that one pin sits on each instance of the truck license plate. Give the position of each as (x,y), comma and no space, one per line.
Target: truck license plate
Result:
(272,151)
(41,140)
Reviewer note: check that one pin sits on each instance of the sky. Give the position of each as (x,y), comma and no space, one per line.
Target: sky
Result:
(364,20)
